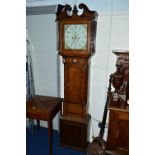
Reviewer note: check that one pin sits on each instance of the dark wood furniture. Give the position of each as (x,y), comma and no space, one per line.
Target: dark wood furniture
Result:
(44,108)
(118,131)
(76,44)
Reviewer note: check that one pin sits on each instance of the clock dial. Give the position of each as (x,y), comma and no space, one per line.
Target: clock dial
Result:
(75,36)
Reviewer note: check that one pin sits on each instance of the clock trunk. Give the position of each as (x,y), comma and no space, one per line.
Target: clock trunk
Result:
(75,86)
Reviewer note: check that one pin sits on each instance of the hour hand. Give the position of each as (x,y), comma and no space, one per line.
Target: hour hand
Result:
(74,37)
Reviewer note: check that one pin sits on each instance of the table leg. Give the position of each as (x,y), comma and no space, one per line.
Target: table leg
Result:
(50,134)
(38,123)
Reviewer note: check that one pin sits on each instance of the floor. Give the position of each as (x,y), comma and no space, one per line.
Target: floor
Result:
(37,143)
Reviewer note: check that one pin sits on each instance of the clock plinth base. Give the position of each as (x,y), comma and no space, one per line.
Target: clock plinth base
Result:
(74,132)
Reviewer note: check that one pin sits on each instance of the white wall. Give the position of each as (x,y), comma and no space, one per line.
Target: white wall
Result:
(112,33)
(42,35)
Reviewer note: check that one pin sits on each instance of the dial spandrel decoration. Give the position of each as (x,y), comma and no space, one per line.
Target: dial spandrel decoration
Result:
(75,36)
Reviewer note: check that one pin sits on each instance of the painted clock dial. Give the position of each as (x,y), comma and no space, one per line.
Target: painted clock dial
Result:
(75,36)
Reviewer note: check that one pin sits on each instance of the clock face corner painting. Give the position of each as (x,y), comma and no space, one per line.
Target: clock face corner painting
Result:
(75,36)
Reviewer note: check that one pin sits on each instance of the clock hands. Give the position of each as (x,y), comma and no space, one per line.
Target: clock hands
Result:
(75,37)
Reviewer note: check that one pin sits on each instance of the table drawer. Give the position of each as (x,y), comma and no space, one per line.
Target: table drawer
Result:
(37,116)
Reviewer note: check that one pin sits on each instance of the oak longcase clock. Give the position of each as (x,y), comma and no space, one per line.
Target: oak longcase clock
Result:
(76,44)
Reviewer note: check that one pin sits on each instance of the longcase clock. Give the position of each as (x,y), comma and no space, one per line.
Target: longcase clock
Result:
(76,44)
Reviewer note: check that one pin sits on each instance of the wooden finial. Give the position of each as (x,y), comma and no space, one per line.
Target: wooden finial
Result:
(75,10)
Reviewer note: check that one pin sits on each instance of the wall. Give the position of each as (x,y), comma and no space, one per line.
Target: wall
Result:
(112,33)
(42,34)
(99,5)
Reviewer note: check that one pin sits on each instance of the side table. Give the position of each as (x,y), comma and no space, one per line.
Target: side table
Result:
(44,108)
